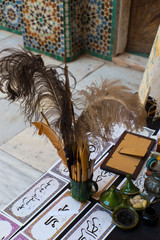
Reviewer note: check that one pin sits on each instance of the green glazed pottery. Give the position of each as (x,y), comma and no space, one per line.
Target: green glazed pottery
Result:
(125,217)
(124,202)
(129,188)
(82,191)
(143,198)
(111,198)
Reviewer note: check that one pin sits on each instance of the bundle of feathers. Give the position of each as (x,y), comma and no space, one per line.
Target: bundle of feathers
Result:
(45,94)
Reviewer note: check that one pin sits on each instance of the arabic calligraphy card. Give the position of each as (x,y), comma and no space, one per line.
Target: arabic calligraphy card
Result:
(97,152)
(7,227)
(55,218)
(103,178)
(60,169)
(35,197)
(96,224)
(20,237)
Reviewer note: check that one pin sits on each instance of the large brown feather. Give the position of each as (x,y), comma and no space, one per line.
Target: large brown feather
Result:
(107,105)
(42,89)
(52,136)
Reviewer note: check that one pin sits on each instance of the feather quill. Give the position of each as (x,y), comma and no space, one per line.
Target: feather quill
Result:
(107,105)
(24,77)
(52,136)
(46,93)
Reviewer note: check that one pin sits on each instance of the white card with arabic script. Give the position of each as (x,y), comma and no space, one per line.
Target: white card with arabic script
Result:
(62,171)
(96,224)
(21,236)
(7,227)
(35,197)
(55,218)
(104,179)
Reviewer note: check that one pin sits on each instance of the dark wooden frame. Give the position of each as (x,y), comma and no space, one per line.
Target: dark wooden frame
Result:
(141,163)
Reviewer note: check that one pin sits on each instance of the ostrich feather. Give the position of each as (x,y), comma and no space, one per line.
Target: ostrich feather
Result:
(107,105)
(40,88)
(17,70)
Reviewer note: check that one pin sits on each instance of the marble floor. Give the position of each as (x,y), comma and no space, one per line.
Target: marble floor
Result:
(22,158)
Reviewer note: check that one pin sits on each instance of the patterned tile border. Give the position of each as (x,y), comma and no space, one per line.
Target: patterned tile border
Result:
(51,26)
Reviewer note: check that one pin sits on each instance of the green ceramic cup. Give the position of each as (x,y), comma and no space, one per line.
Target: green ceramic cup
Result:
(82,191)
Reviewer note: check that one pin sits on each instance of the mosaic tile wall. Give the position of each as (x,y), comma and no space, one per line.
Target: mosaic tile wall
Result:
(51,26)
(92,24)
(11,15)
(43,26)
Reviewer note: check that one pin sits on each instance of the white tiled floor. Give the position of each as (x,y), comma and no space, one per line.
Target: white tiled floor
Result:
(22,158)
